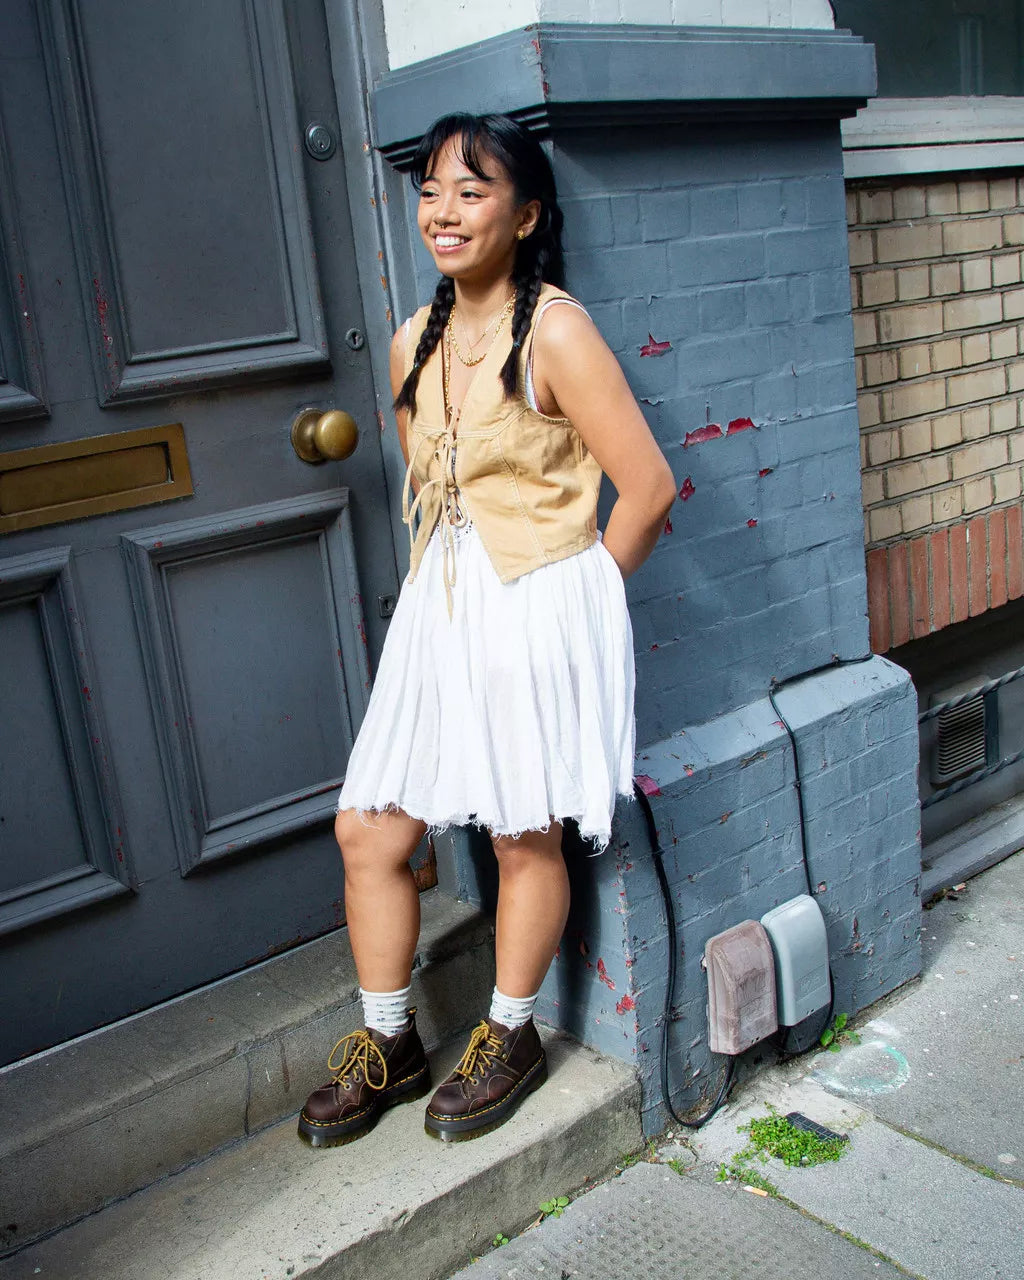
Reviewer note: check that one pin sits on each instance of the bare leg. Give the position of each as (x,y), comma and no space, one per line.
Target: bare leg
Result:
(533,903)
(382,905)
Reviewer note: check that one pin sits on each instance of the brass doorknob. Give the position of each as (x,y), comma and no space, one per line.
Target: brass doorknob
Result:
(318,436)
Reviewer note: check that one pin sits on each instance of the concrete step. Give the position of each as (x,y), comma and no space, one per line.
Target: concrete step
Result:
(95,1119)
(395,1205)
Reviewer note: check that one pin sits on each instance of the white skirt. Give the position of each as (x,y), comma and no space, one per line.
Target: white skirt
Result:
(515,712)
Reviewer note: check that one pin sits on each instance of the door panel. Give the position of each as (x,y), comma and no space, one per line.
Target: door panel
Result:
(180,684)
(205,275)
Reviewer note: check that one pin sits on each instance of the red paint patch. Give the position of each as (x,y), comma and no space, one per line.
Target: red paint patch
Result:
(654,348)
(625,1005)
(688,770)
(647,785)
(88,692)
(688,489)
(711,432)
(765,471)
(738,424)
(726,816)
(668,526)
(751,524)
(602,973)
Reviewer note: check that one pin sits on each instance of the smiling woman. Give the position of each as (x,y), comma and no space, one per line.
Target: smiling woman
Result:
(504,694)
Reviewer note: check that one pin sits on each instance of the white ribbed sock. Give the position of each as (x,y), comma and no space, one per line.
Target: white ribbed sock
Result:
(386,1011)
(511,1011)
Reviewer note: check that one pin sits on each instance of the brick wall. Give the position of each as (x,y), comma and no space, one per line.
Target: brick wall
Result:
(936,272)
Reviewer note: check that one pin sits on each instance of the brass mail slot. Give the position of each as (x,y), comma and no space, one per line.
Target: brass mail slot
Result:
(57,482)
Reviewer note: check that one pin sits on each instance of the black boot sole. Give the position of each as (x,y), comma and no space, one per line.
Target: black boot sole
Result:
(465,1128)
(320,1134)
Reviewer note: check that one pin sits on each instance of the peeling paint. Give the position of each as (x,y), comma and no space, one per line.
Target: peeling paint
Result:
(668,526)
(625,1005)
(738,424)
(647,785)
(652,347)
(688,489)
(602,973)
(751,523)
(711,432)
(765,471)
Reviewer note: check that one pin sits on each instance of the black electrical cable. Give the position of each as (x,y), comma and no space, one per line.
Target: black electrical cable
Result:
(670,916)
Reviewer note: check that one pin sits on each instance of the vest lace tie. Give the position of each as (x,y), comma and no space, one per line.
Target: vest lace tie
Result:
(453,514)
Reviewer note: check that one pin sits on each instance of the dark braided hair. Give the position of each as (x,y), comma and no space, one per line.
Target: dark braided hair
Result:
(538,256)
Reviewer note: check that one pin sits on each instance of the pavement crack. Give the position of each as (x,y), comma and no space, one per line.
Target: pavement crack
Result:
(975,1165)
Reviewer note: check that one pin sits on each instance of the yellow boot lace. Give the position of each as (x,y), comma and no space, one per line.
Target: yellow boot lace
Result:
(484,1046)
(358,1047)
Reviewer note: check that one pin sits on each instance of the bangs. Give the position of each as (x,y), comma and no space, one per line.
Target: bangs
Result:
(473,141)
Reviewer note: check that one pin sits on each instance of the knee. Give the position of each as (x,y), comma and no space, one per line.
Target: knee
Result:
(517,855)
(369,842)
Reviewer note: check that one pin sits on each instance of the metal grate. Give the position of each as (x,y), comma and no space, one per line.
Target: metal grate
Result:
(960,745)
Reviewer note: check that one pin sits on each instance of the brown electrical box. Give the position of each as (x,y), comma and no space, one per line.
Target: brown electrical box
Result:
(741,987)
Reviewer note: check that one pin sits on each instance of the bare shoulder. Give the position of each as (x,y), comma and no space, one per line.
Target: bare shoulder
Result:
(563,328)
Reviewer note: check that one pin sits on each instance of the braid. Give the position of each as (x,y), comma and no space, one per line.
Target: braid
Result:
(440,310)
(528,284)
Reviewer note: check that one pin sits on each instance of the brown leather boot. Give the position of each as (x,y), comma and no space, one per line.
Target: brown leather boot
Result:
(499,1069)
(373,1073)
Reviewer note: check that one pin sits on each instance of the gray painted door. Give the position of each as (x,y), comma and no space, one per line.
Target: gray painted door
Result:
(180,682)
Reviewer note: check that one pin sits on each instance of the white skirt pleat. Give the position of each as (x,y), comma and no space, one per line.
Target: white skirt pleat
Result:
(516,711)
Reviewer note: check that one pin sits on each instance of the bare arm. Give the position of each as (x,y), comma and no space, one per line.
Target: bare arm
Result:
(577,376)
(397,371)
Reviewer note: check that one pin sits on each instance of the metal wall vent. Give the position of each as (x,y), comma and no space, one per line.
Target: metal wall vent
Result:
(965,736)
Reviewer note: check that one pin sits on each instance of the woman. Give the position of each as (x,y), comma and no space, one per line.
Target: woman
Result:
(504,694)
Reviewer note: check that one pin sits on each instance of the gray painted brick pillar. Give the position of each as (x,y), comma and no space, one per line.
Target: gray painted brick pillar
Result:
(701,176)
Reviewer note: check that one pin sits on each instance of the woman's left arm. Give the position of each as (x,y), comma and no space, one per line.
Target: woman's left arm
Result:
(576,376)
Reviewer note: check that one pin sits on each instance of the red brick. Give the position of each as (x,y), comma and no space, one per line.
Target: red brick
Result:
(940,578)
(918,549)
(899,593)
(997,558)
(958,570)
(878,599)
(1015,547)
(977,570)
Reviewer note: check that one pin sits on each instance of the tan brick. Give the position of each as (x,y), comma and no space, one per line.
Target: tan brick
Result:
(975,459)
(865,329)
(1013,304)
(899,324)
(879,367)
(947,504)
(916,438)
(1014,376)
(971,235)
(884,522)
(946,354)
(851,207)
(971,312)
(1002,415)
(945,278)
(877,287)
(858,364)
(909,202)
(908,400)
(1004,343)
(854,290)
(972,195)
(982,385)
(875,206)
(912,477)
(941,197)
(946,431)
(975,422)
(1013,228)
(977,494)
(912,283)
(915,359)
(1016,447)
(871,488)
(883,446)
(906,243)
(976,348)
(1007,485)
(915,513)
(868,411)
(976,273)
(1006,268)
(862,248)
(1002,193)
(1020,190)
(863,451)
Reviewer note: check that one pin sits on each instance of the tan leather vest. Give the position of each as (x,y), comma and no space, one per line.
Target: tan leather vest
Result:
(528,482)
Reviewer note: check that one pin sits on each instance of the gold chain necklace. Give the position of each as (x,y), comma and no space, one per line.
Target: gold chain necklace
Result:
(470,361)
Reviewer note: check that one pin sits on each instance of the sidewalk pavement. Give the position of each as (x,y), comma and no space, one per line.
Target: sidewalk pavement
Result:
(931,1183)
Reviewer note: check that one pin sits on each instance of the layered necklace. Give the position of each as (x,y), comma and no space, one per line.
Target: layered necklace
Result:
(452,345)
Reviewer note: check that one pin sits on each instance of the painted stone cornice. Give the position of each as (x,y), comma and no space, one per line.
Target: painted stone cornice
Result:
(569,75)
